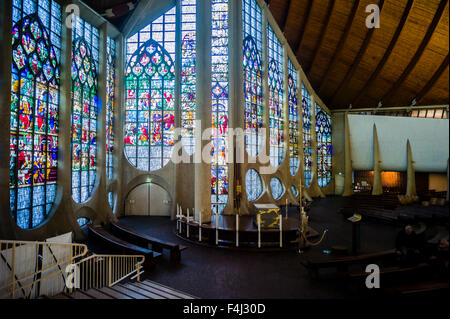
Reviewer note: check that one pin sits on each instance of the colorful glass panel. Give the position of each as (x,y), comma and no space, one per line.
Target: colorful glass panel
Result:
(219,111)
(276,98)
(36,51)
(110,105)
(84,109)
(324,146)
(188,73)
(253,73)
(307,143)
(150,94)
(293,119)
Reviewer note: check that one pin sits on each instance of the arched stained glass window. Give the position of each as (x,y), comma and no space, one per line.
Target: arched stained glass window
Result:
(277,188)
(110,105)
(219,111)
(307,143)
(36,40)
(253,185)
(188,73)
(276,98)
(293,118)
(84,109)
(150,100)
(253,72)
(83,221)
(324,146)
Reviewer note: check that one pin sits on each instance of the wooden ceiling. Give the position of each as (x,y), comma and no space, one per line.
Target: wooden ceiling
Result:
(405,59)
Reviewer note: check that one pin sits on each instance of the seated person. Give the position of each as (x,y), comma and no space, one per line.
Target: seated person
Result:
(439,257)
(408,244)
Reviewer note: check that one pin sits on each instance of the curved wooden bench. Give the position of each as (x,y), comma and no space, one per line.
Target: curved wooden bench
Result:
(99,234)
(144,240)
(342,262)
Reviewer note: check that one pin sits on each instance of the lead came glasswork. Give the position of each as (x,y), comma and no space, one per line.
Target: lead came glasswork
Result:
(188,73)
(150,90)
(307,145)
(84,109)
(253,185)
(253,73)
(219,111)
(34,121)
(276,98)
(277,188)
(324,146)
(293,118)
(110,105)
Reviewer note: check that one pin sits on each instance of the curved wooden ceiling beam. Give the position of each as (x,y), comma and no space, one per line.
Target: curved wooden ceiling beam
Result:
(322,34)
(302,30)
(355,64)
(433,80)
(286,16)
(397,84)
(387,53)
(341,42)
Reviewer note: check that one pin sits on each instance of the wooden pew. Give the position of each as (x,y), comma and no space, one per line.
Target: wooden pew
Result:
(140,239)
(422,288)
(313,264)
(101,235)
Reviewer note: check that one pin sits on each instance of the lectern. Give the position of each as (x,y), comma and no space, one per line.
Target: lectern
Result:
(356,232)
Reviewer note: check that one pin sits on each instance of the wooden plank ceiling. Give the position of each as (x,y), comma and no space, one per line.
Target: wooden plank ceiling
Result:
(405,59)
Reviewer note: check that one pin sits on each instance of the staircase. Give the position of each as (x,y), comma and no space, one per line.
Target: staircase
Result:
(133,290)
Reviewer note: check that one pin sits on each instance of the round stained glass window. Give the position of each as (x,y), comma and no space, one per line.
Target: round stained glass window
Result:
(277,188)
(253,185)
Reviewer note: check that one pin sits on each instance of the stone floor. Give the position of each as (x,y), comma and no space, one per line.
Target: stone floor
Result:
(218,273)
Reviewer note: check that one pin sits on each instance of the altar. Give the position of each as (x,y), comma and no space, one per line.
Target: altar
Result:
(268,214)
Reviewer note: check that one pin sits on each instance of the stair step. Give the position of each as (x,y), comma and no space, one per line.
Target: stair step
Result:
(128,292)
(60,296)
(143,292)
(174,292)
(114,294)
(79,295)
(156,291)
(97,294)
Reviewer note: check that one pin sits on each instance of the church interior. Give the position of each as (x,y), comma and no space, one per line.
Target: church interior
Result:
(224,149)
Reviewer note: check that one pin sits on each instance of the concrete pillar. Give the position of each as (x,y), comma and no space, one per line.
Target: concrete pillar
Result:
(202,167)
(348,186)
(377,187)
(411,174)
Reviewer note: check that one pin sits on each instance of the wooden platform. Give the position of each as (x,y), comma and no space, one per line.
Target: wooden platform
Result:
(248,233)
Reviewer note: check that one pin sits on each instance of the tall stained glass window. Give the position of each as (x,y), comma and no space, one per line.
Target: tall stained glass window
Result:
(276,100)
(36,51)
(110,105)
(219,111)
(307,143)
(253,72)
(84,109)
(324,146)
(188,73)
(150,86)
(293,118)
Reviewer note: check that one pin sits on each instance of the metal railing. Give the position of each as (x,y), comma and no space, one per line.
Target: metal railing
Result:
(34,269)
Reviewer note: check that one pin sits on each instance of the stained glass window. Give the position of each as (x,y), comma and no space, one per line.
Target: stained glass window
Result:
(294,190)
(83,221)
(84,109)
(253,185)
(111,200)
(277,188)
(36,50)
(293,118)
(150,87)
(307,143)
(110,105)
(276,100)
(324,146)
(253,72)
(219,111)
(188,73)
